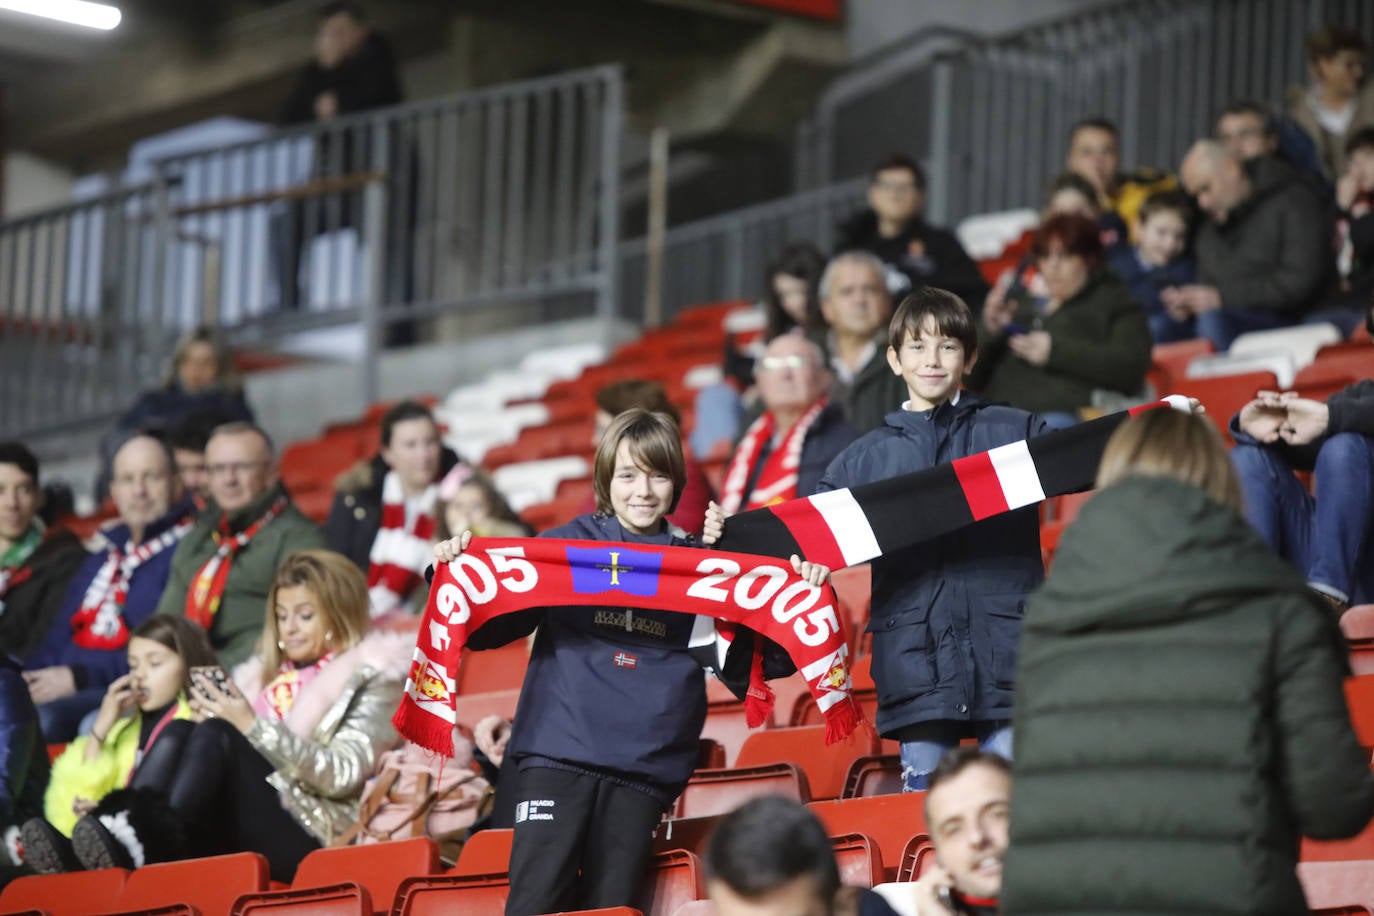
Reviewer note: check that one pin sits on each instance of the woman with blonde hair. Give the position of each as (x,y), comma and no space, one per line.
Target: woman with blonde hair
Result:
(280,756)
(1180,721)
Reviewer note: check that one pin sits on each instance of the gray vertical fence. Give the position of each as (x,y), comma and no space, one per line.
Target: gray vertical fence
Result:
(497,197)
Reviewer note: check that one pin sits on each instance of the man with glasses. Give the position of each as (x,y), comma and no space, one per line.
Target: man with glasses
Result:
(1249,131)
(116,589)
(893,227)
(223,569)
(783,453)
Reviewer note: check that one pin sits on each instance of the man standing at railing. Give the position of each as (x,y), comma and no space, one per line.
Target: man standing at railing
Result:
(353,70)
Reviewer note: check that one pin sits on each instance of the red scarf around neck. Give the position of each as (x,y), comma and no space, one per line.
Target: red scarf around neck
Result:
(498,576)
(99,623)
(777,481)
(207,586)
(400,552)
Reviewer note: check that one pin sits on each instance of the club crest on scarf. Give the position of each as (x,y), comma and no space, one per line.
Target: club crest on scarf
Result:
(502,576)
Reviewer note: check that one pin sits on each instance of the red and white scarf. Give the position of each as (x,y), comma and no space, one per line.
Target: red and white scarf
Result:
(402,549)
(777,480)
(279,696)
(14,567)
(496,576)
(207,586)
(99,623)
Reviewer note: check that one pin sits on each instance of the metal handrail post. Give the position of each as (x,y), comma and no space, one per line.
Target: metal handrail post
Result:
(611,115)
(374,222)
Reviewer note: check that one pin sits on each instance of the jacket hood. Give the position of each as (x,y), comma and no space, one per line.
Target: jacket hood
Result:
(1153,550)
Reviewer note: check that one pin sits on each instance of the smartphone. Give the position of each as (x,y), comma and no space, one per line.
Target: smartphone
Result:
(1014,329)
(212,673)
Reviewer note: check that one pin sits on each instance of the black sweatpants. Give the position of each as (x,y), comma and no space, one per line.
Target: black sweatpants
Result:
(566,822)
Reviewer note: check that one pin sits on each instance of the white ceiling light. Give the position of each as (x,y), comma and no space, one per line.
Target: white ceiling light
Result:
(76,12)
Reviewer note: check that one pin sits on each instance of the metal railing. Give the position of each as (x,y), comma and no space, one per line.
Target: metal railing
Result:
(990,118)
(492,198)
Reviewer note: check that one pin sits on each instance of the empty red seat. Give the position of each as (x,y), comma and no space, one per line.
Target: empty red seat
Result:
(378,867)
(859,859)
(1358,625)
(1174,358)
(486,852)
(493,669)
(675,877)
(474,707)
(825,766)
(153,886)
(441,895)
(1224,395)
(1359,696)
(721,791)
(873,775)
(916,857)
(73,894)
(348,899)
(891,820)
(725,720)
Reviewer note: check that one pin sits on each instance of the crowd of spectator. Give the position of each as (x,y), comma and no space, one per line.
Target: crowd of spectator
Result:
(223,670)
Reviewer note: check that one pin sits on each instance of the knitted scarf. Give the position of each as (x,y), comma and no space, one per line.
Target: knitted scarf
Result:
(207,586)
(847,527)
(400,552)
(99,623)
(12,568)
(276,699)
(777,480)
(502,576)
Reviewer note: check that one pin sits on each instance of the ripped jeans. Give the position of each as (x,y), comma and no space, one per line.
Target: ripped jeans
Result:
(921,756)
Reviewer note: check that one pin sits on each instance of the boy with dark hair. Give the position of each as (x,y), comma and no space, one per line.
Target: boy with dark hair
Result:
(893,227)
(35,565)
(946,615)
(771,855)
(1158,260)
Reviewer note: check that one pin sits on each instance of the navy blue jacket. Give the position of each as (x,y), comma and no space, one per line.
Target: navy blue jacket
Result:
(946,615)
(24,763)
(626,704)
(1146,282)
(100,667)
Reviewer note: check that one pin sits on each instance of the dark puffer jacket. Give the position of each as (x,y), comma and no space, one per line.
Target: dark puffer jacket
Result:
(355,516)
(1180,720)
(947,613)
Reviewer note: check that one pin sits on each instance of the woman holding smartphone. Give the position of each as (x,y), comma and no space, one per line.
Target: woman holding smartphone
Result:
(279,757)
(137,740)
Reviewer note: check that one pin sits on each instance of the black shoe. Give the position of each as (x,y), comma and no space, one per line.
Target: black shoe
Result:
(98,847)
(45,849)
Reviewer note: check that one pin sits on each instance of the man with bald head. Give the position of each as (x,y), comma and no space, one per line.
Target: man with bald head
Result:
(1264,251)
(223,570)
(115,589)
(786,450)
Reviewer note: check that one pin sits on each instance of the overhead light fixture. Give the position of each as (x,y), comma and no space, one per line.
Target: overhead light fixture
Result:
(75,12)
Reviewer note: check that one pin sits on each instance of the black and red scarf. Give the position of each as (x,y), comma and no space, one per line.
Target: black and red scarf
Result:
(207,586)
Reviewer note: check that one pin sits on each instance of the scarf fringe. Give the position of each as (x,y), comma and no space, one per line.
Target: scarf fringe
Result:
(424,729)
(759,699)
(842,719)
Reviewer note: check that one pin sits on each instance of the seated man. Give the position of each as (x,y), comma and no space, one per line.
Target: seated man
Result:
(1248,130)
(966,810)
(1264,254)
(187,441)
(223,568)
(916,253)
(116,589)
(1095,154)
(1326,536)
(35,566)
(771,857)
(786,450)
(857,306)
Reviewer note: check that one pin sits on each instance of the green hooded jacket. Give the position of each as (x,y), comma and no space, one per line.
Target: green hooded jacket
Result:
(1180,720)
(238,623)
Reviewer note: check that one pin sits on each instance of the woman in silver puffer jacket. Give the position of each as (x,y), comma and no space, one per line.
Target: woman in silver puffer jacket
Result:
(279,759)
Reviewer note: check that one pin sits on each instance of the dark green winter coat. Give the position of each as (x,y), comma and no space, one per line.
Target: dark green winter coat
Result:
(1180,720)
(1099,338)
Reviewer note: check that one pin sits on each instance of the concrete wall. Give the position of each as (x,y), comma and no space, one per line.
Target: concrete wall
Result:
(874,24)
(33,184)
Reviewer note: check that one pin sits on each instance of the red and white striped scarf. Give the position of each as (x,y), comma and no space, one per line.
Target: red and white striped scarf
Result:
(99,623)
(207,587)
(402,549)
(13,562)
(777,480)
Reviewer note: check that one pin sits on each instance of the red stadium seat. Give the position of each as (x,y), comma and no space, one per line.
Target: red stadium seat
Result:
(1359,696)
(1338,884)
(860,860)
(825,766)
(441,895)
(1360,846)
(1358,625)
(916,857)
(378,867)
(334,900)
(474,707)
(675,877)
(891,820)
(1224,395)
(1174,358)
(493,669)
(74,894)
(721,791)
(184,882)
(486,852)
(873,775)
(725,720)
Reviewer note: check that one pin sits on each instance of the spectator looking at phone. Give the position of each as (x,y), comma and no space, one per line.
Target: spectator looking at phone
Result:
(280,774)
(137,740)
(1089,335)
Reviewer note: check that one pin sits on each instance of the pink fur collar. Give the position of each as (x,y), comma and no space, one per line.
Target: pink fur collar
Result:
(387,652)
